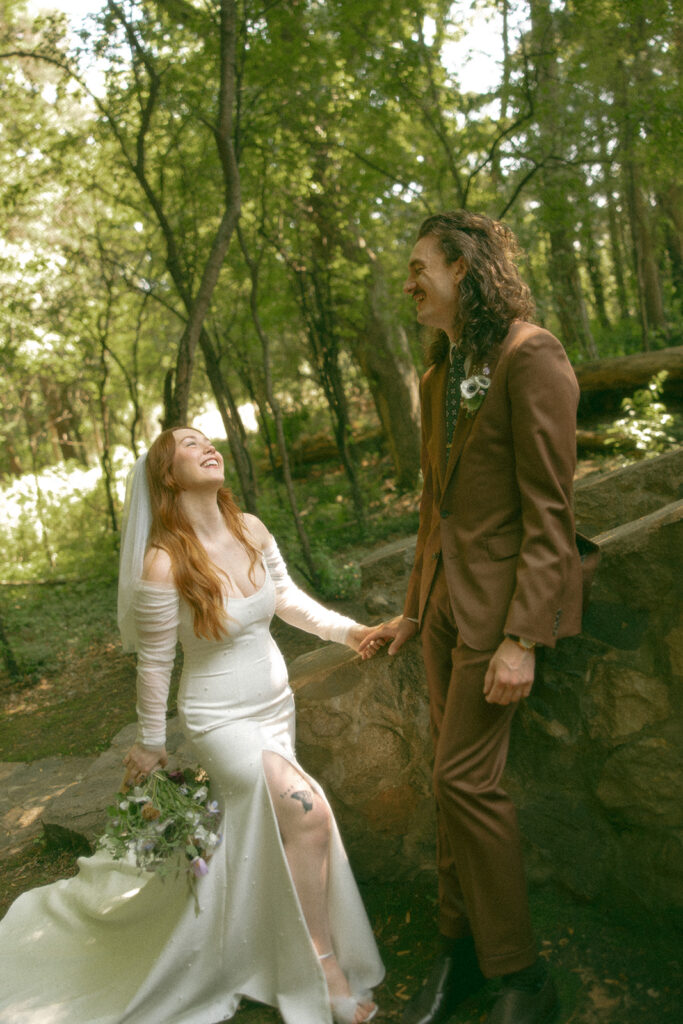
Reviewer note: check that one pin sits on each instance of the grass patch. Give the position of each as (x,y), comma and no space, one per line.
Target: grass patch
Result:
(76,688)
(35,865)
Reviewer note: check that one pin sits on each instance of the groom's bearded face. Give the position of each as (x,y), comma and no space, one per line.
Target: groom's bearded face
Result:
(433,284)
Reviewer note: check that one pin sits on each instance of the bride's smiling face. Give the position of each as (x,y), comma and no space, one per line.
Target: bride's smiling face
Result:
(196,462)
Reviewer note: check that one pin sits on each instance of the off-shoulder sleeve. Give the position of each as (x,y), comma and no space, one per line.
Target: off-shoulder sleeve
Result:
(156,621)
(297,608)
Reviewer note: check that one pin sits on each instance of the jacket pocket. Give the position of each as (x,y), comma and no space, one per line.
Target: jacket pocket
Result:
(504,545)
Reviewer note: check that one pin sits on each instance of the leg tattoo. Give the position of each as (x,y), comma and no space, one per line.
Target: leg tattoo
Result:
(306,798)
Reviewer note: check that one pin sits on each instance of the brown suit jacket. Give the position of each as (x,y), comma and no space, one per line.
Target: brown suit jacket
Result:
(500,513)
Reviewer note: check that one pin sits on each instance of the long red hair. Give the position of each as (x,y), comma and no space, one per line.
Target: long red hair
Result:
(198,582)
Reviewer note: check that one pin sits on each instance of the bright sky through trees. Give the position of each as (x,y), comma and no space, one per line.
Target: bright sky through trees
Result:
(475,58)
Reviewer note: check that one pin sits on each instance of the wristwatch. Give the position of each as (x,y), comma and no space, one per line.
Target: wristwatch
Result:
(526,645)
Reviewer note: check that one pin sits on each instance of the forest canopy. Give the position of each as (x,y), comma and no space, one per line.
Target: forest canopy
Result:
(209,204)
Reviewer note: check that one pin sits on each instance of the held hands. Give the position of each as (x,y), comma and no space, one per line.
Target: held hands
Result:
(510,674)
(140,762)
(398,630)
(357,639)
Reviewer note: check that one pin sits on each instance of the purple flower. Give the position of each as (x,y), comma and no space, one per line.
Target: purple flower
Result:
(199,867)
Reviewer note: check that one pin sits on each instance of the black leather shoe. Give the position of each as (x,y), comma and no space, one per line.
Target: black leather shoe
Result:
(454,976)
(515,1006)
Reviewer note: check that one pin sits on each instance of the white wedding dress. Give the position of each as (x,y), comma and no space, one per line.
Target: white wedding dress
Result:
(117,946)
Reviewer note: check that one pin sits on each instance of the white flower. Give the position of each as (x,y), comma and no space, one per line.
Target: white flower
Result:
(473,389)
(475,385)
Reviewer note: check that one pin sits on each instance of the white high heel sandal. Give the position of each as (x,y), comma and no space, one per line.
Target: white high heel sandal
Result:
(344,1007)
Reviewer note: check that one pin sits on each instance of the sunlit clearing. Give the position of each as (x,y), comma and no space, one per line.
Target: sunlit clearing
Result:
(210,424)
(248,416)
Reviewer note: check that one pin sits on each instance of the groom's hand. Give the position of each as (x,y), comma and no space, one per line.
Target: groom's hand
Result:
(398,630)
(510,674)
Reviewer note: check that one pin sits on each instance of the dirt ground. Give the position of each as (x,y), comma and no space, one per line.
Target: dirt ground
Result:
(608,971)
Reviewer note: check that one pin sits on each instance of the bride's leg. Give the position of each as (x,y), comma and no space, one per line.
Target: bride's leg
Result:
(304,821)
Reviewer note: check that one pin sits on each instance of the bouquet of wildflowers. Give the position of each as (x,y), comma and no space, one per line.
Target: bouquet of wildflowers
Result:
(169,813)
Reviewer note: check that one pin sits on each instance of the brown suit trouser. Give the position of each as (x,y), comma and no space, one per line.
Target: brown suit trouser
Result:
(482,888)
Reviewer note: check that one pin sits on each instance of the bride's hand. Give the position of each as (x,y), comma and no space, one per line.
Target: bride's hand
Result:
(357,634)
(397,630)
(139,762)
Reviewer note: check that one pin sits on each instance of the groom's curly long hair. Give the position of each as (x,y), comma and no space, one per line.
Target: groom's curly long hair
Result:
(491,294)
(197,579)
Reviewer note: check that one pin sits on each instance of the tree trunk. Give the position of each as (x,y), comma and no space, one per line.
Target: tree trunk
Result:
(177,383)
(10,662)
(566,284)
(384,356)
(617,258)
(648,285)
(105,456)
(631,372)
(304,543)
(647,270)
(62,425)
(556,210)
(223,134)
(594,268)
(671,202)
(318,315)
(615,246)
(234,427)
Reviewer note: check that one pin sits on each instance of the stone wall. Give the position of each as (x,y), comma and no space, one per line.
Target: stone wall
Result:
(596,763)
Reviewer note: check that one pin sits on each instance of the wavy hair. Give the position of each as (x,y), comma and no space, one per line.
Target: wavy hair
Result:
(492,293)
(198,582)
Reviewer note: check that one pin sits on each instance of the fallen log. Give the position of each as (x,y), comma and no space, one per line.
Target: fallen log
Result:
(605,382)
(599,441)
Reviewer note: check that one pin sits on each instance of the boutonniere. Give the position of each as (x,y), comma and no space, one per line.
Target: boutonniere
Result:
(473,390)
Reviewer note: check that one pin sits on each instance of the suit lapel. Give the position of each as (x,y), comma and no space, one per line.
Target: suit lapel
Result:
(439,419)
(465,421)
(462,430)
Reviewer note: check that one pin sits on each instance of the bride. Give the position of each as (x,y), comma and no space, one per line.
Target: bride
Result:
(280,919)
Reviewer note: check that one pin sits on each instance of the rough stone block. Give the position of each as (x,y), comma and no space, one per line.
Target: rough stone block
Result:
(603,501)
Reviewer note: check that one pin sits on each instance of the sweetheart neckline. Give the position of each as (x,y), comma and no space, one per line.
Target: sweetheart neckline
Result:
(248,597)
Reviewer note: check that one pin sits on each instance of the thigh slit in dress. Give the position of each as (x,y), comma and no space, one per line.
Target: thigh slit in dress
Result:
(116,946)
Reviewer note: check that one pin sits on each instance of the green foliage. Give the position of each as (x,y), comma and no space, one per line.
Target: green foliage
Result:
(52,622)
(55,525)
(350,124)
(620,339)
(339,580)
(646,428)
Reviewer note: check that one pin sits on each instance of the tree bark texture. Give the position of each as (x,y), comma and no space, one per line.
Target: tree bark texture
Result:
(384,356)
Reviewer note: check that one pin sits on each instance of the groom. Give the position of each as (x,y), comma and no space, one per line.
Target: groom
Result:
(496,575)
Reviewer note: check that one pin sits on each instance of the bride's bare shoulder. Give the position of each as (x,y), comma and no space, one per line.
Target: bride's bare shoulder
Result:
(257,531)
(157,566)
